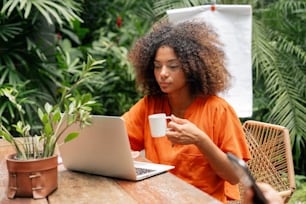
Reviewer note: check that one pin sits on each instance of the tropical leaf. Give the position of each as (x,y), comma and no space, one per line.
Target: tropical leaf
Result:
(52,10)
(9,31)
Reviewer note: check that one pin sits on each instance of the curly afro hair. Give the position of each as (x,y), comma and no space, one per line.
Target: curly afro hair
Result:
(196,46)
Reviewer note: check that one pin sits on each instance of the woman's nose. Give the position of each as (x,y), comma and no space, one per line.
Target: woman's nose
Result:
(164,71)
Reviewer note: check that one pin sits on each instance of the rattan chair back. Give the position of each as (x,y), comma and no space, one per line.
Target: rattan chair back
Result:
(271,160)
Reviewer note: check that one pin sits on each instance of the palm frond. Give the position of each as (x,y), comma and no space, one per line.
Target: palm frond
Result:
(263,54)
(9,31)
(289,5)
(52,10)
(290,47)
(287,88)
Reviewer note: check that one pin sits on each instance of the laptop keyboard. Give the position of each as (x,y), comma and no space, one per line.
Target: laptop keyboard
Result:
(140,171)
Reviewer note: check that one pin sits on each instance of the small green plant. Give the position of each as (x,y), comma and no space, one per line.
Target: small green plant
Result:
(54,123)
(72,108)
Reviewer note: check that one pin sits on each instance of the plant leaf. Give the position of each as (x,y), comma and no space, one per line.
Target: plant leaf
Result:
(71,136)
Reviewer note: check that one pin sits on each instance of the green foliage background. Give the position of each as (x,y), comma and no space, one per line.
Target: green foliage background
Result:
(44,43)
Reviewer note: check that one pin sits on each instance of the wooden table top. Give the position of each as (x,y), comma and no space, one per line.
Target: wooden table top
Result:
(74,187)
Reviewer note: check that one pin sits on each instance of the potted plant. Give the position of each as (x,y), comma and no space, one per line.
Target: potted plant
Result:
(33,168)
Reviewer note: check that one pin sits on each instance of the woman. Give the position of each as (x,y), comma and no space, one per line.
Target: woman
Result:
(180,69)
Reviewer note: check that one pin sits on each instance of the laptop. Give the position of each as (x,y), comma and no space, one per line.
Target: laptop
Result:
(103,149)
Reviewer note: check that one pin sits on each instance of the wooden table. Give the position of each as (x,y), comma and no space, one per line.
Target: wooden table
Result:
(80,188)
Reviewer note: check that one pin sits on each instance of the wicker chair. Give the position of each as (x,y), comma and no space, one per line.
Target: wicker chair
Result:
(271,160)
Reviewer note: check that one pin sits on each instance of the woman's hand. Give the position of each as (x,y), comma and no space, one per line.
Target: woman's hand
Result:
(182,131)
(270,194)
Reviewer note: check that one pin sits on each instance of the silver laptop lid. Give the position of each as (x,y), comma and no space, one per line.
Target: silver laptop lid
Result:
(101,148)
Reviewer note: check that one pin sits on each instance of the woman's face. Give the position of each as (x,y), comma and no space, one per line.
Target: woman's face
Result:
(168,71)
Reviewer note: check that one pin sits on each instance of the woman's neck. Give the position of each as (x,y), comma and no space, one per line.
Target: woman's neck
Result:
(179,104)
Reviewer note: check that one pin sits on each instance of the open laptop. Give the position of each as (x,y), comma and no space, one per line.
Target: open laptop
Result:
(103,149)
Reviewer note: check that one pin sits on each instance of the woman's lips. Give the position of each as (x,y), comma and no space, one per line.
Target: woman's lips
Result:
(164,84)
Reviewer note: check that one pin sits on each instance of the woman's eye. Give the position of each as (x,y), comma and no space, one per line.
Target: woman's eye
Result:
(174,66)
(170,66)
(157,66)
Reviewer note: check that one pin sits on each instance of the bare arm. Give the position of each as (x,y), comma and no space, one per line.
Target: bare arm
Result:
(184,132)
(217,159)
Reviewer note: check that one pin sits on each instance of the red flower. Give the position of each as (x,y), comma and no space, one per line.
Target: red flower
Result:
(58,36)
(119,21)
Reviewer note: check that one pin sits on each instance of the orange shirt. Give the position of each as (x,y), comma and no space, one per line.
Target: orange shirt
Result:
(211,114)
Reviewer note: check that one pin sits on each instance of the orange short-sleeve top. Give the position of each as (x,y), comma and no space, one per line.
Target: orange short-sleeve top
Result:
(211,114)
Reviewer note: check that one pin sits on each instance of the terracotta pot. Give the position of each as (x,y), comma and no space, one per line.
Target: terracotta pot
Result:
(31,178)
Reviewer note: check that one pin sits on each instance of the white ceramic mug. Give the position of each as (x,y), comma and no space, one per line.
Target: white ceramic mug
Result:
(158,124)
